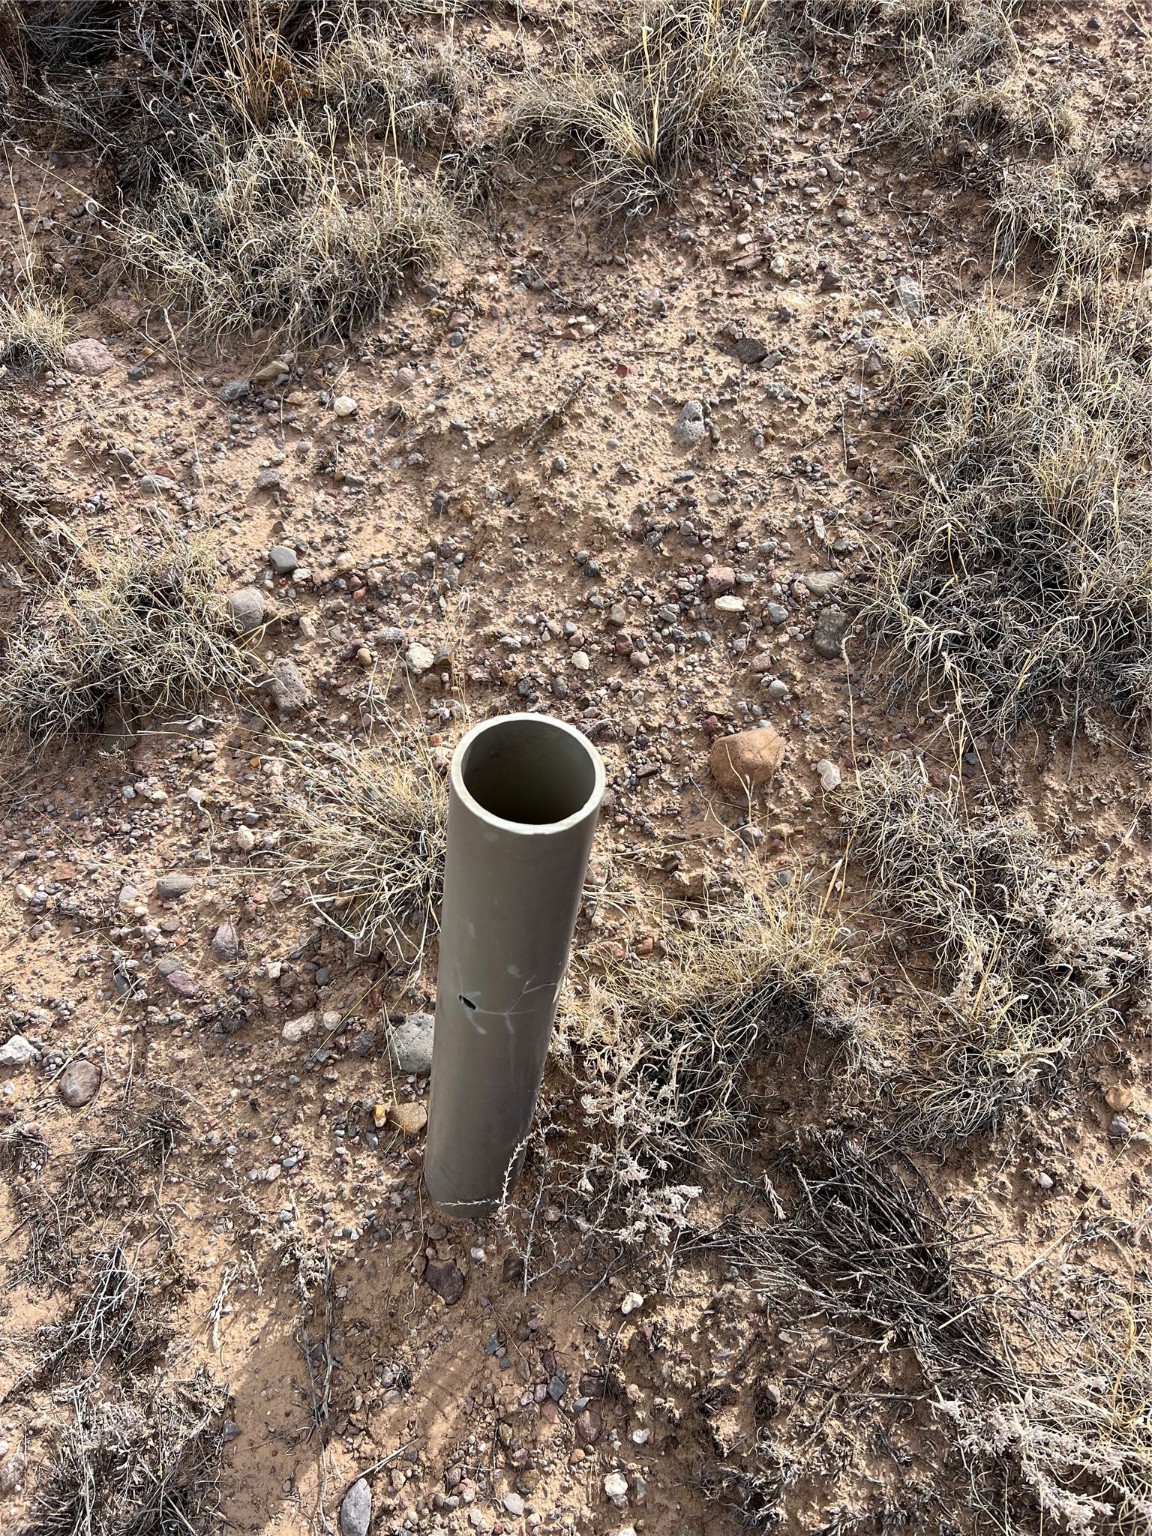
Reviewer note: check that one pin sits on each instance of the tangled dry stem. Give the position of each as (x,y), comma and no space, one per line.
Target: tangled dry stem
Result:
(1034,962)
(656,1062)
(148,1465)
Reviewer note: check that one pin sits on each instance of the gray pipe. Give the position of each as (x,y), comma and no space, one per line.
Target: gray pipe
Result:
(524,797)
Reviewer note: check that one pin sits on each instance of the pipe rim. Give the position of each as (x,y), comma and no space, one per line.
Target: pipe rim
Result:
(527,828)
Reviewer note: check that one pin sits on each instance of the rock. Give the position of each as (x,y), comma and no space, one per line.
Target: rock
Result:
(410,1044)
(88,356)
(296,1029)
(289,691)
(776,614)
(778,690)
(588,1426)
(828,774)
(345,405)
(1119,1128)
(79,1083)
(404,378)
(365,658)
(275,369)
(690,426)
(419,658)
(283,559)
(616,1487)
(18,1052)
(741,763)
(910,297)
(730,603)
(632,1302)
(226,941)
(821,583)
(832,624)
(270,480)
(356,1510)
(152,485)
(173,887)
(446,1280)
(831,282)
(233,390)
(719,579)
(749,351)
(1118,1098)
(12,1472)
(246,609)
(408,1119)
(182,984)
(513,1505)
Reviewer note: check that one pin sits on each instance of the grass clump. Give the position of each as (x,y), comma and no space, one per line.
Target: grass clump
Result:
(367,840)
(146,634)
(1017,586)
(34,330)
(279,233)
(688,82)
(1035,964)
(966,103)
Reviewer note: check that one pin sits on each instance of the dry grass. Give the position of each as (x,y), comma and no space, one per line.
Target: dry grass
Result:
(1017,584)
(689,81)
(146,1465)
(146,634)
(657,1059)
(1035,963)
(282,234)
(34,329)
(1031,1423)
(1051,213)
(260,160)
(967,103)
(366,840)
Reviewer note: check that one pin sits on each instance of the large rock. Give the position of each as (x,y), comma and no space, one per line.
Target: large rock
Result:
(246,609)
(410,1044)
(356,1510)
(173,887)
(226,942)
(290,692)
(831,626)
(297,1029)
(743,762)
(17,1052)
(88,356)
(691,427)
(79,1083)
(408,1119)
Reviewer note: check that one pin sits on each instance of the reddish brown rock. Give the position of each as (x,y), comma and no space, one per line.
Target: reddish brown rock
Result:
(88,356)
(741,763)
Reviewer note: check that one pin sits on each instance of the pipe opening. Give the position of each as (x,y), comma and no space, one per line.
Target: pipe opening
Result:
(529,771)
(468,1003)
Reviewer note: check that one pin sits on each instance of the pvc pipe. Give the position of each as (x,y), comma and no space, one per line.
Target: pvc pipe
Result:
(524,797)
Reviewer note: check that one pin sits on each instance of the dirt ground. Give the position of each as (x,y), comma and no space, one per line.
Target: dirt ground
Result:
(507,489)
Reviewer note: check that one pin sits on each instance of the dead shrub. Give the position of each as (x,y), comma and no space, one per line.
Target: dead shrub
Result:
(148,1464)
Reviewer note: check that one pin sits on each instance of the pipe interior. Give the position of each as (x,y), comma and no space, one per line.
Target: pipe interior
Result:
(529,771)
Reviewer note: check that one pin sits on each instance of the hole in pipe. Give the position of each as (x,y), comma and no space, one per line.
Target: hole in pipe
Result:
(530,772)
(468,1003)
